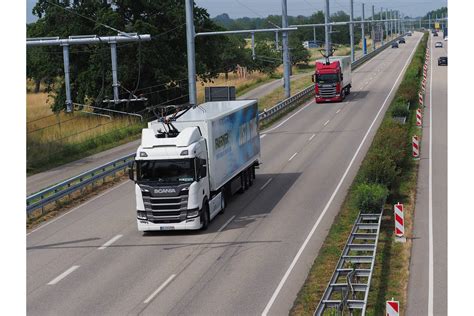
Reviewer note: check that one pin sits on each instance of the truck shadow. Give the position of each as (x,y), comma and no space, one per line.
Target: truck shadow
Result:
(357,95)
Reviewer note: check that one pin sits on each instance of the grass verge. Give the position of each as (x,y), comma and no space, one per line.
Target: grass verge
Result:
(390,278)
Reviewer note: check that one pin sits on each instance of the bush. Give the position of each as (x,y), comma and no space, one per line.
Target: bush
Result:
(400,110)
(393,139)
(370,197)
(378,167)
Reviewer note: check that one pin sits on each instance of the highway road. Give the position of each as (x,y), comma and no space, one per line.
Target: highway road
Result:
(427,287)
(254,258)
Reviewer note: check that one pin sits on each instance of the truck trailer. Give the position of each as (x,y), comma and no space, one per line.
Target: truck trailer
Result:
(332,79)
(187,167)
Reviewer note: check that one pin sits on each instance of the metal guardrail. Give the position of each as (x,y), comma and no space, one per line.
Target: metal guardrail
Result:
(56,192)
(66,187)
(355,265)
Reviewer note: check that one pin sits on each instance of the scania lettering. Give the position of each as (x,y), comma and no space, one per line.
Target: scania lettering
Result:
(332,79)
(188,165)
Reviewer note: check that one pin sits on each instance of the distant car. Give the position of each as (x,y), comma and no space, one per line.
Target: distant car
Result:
(438,44)
(435,34)
(443,61)
(394,45)
(401,41)
(409,33)
(446,38)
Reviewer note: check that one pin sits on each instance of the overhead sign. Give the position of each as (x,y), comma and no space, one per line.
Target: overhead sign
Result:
(437,26)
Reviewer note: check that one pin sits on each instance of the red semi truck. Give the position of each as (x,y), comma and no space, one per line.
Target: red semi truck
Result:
(332,79)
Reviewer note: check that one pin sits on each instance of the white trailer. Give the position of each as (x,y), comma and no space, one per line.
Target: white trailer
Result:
(185,171)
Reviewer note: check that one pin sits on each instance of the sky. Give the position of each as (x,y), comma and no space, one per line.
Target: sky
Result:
(263,8)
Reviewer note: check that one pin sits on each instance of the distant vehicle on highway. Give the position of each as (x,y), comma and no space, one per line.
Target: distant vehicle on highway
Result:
(435,34)
(401,41)
(446,38)
(443,60)
(394,45)
(332,79)
(438,44)
(409,33)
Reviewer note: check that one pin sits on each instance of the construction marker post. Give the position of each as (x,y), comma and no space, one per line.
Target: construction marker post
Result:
(418,118)
(399,222)
(420,98)
(392,308)
(416,147)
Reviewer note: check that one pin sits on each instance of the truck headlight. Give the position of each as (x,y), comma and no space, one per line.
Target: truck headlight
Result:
(193,213)
(141,215)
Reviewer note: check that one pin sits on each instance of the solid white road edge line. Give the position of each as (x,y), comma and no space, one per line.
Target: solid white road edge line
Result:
(266,183)
(76,208)
(158,290)
(225,224)
(303,246)
(293,156)
(63,275)
(312,136)
(430,193)
(111,241)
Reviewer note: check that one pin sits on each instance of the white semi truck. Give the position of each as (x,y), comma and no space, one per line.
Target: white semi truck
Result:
(187,167)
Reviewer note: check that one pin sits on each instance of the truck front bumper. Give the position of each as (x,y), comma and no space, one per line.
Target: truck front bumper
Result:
(337,98)
(188,224)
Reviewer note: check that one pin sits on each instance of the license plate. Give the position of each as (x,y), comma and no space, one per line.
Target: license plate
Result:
(167,228)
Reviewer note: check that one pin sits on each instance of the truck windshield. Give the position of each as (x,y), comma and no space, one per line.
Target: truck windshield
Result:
(166,171)
(328,78)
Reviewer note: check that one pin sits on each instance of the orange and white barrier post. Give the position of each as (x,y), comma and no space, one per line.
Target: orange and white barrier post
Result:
(392,308)
(416,147)
(420,98)
(399,220)
(418,117)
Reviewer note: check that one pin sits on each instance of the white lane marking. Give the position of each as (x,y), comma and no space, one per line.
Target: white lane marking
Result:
(63,275)
(225,224)
(262,136)
(158,290)
(266,183)
(338,111)
(111,241)
(293,156)
(286,120)
(76,208)
(312,136)
(303,246)
(326,123)
(430,197)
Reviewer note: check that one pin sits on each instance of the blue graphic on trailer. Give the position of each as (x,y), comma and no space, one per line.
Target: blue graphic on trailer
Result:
(236,140)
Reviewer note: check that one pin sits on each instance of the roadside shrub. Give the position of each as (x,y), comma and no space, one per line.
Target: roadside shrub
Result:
(378,167)
(393,139)
(370,197)
(400,110)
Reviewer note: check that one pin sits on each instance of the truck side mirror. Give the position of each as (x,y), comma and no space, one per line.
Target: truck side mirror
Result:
(342,76)
(313,78)
(132,174)
(203,171)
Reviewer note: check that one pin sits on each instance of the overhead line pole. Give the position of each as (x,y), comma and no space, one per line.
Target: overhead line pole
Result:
(381,23)
(373,28)
(364,43)
(351,29)
(286,55)
(191,52)
(326,28)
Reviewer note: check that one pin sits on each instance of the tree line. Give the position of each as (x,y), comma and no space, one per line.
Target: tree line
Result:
(156,69)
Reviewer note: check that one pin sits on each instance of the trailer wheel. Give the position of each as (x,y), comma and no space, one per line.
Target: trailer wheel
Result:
(253,172)
(223,201)
(343,94)
(348,90)
(249,176)
(242,183)
(205,216)
(246,180)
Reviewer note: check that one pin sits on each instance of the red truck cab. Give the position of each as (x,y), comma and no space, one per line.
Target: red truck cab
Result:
(332,79)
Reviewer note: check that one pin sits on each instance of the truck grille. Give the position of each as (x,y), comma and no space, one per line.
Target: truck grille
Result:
(165,209)
(327,92)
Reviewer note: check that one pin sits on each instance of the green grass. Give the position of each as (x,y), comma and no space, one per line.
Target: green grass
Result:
(390,278)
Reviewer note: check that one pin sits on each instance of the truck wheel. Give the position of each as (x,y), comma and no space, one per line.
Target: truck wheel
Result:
(205,216)
(348,91)
(223,201)
(246,180)
(343,94)
(253,172)
(249,176)
(242,183)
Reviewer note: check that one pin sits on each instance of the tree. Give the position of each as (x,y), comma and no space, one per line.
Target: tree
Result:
(298,54)
(267,58)
(156,69)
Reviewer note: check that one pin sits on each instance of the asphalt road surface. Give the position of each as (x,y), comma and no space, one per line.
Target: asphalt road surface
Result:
(254,258)
(429,267)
